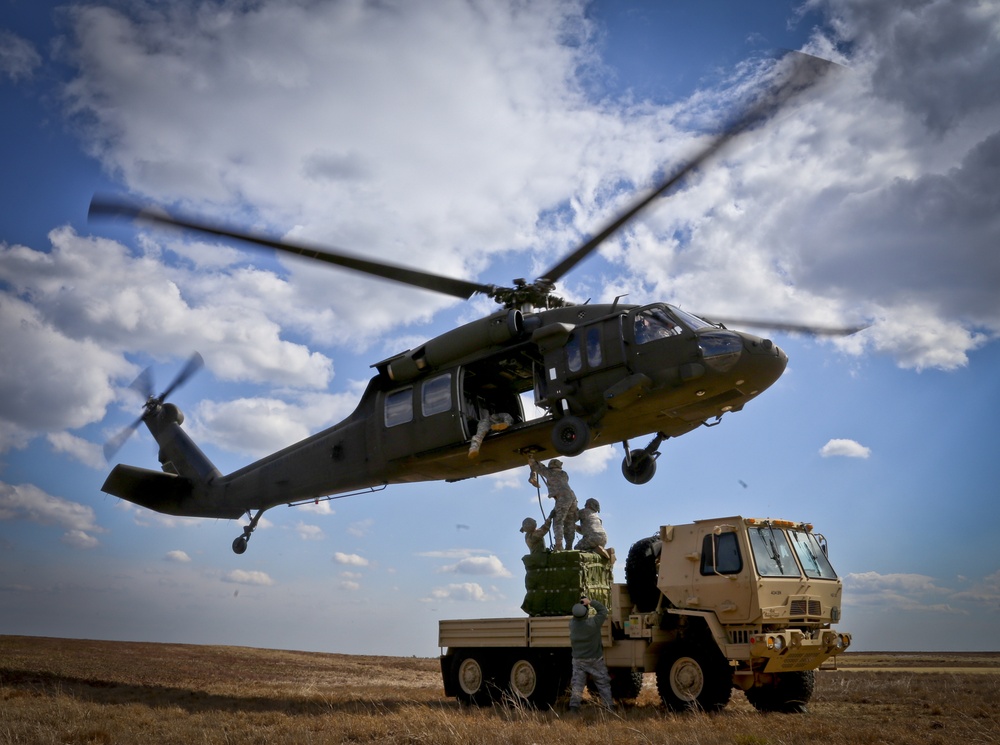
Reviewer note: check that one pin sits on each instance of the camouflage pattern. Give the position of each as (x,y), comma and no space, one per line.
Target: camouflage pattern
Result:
(534,536)
(495,422)
(596,669)
(591,528)
(565,513)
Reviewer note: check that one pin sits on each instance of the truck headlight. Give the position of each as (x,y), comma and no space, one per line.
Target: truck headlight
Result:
(776,643)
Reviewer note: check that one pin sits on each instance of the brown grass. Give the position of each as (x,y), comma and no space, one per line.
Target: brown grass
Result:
(72,691)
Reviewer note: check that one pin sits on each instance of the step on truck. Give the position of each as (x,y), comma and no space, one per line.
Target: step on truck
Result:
(708,607)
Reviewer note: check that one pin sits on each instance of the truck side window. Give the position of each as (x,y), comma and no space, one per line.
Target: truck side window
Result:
(726,554)
(399,407)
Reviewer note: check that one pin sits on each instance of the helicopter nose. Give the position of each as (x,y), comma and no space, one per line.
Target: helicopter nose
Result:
(765,359)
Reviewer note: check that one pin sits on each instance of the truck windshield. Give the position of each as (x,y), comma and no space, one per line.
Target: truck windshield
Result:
(771,553)
(812,556)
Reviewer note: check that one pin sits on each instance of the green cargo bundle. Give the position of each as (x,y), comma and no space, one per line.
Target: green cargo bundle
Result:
(555,580)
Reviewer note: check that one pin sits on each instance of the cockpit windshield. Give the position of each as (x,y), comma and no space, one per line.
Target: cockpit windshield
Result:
(689,319)
(654,323)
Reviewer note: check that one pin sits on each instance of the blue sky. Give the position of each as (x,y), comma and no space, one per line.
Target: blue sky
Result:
(484,143)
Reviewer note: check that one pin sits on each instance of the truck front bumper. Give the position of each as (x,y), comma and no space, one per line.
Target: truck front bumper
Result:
(785,651)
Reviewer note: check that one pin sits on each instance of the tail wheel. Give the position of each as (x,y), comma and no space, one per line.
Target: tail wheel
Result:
(570,435)
(639,468)
(694,677)
(788,694)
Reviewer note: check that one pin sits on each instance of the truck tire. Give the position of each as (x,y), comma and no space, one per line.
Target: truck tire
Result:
(473,679)
(536,681)
(641,572)
(626,683)
(788,693)
(691,676)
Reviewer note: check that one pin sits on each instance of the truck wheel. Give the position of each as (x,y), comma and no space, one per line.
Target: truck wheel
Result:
(788,693)
(641,571)
(693,677)
(530,683)
(472,684)
(625,683)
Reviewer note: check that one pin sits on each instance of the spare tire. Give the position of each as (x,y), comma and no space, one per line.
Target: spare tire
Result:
(641,571)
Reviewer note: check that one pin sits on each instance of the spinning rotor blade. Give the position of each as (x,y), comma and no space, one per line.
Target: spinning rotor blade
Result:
(802,328)
(102,206)
(803,72)
(143,384)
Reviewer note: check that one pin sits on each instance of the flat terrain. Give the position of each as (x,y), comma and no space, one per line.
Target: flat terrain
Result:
(74,691)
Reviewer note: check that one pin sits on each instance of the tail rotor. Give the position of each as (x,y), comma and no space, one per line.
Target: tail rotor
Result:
(143,385)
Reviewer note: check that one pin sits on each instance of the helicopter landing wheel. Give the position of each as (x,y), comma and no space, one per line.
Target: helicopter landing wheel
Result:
(639,467)
(570,435)
(240,543)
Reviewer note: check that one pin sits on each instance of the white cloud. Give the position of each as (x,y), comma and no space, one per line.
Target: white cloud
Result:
(844,448)
(490,566)
(360,528)
(309,532)
(350,559)
(177,557)
(245,577)
(18,58)
(28,502)
(86,452)
(909,592)
(461,592)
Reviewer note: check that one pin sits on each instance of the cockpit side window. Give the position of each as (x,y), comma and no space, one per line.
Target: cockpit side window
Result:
(652,324)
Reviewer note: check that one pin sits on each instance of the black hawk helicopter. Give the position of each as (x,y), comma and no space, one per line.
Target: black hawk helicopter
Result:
(602,373)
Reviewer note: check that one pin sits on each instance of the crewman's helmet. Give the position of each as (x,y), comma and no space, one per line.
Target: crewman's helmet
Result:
(528,525)
(579,610)
(555,463)
(592,504)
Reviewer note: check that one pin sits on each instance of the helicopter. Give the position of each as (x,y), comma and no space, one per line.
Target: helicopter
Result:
(600,373)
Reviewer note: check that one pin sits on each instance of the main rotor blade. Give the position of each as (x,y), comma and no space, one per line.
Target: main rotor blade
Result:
(101,206)
(805,70)
(801,328)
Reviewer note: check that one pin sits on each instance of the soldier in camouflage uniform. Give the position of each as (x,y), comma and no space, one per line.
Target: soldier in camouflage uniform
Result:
(592,531)
(565,512)
(534,536)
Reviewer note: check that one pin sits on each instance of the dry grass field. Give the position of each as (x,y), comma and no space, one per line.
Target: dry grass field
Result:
(73,691)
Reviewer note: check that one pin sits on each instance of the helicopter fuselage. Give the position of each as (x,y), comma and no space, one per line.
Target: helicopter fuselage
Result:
(594,374)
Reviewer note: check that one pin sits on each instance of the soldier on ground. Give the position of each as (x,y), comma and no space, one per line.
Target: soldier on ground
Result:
(565,512)
(592,531)
(588,653)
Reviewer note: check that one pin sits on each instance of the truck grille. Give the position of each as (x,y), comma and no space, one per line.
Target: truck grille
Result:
(802,607)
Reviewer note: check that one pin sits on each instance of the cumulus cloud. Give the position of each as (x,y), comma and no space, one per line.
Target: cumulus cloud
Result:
(309,532)
(86,452)
(18,58)
(350,559)
(28,502)
(361,528)
(177,557)
(460,592)
(903,591)
(490,566)
(845,449)
(245,577)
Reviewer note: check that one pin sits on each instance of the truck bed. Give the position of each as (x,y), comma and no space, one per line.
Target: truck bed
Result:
(540,631)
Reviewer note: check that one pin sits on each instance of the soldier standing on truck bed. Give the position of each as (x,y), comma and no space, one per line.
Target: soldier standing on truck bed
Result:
(565,512)
(588,653)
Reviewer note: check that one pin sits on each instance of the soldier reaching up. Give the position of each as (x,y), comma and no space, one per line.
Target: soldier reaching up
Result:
(565,513)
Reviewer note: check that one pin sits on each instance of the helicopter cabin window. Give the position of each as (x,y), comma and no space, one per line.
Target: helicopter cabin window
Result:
(722,558)
(652,324)
(573,359)
(436,395)
(594,346)
(399,407)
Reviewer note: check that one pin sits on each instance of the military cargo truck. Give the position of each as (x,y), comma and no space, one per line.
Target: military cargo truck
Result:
(708,607)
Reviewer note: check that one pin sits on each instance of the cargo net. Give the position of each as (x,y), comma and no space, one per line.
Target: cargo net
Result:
(555,580)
